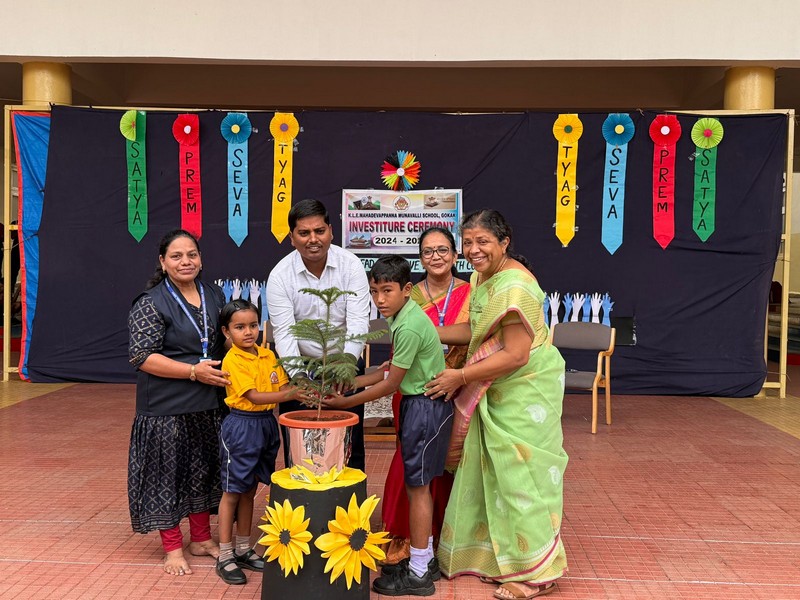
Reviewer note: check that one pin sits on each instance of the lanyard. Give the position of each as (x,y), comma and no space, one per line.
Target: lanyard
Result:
(203,338)
(442,312)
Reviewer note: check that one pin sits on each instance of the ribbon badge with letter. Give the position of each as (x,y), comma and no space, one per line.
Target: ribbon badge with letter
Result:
(567,130)
(186,130)
(618,130)
(664,131)
(706,134)
(284,128)
(133,125)
(236,129)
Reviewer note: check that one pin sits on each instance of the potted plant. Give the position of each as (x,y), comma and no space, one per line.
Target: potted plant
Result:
(321,439)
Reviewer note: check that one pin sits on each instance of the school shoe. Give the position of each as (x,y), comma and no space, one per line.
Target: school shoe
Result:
(249,560)
(433,568)
(404,582)
(233,576)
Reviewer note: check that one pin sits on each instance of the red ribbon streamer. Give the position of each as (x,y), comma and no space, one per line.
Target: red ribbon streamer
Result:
(186,130)
(664,131)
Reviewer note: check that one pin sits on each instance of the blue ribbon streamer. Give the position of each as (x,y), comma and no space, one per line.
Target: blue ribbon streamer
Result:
(238,199)
(614,196)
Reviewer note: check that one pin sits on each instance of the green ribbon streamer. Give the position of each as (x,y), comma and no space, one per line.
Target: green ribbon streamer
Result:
(705,192)
(137,179)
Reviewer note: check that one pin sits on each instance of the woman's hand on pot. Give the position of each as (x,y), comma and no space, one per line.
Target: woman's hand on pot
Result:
(444,385)
(336,401)
(207,372)
(344,387)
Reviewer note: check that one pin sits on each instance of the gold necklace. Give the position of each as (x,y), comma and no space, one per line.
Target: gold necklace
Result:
(500,268)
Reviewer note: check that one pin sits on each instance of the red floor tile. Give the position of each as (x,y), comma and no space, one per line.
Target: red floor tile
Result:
(680,498)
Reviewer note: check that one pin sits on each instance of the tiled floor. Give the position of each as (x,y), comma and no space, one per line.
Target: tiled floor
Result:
(682,497)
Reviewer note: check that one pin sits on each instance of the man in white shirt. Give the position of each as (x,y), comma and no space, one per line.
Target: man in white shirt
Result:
(316,263)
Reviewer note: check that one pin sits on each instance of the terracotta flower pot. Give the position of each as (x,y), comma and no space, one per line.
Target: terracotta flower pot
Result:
(326,441)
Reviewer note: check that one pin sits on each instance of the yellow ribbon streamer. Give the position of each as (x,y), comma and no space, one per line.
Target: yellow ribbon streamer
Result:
(567,130)
(284,128)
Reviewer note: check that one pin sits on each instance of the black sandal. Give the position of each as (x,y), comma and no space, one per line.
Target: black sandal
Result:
(433,567)
(250,560)
(234,576)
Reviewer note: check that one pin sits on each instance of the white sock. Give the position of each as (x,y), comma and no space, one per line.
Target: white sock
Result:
(430,545)
(225,551)
(420,557)
(242,544)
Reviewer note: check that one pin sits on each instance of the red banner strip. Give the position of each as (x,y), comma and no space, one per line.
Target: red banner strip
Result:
(664,131)
(186,130)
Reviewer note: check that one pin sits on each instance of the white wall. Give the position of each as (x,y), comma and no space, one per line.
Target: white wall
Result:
(794,253)
(366,31)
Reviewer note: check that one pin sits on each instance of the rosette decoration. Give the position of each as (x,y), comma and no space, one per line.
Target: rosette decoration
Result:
(706,134)
(286,536)
(567,130)
(618,130)
(186,131)
(236,129)
(665,130)
(400,170)
(133,126)
(284,129)
(127,125)
(350,543)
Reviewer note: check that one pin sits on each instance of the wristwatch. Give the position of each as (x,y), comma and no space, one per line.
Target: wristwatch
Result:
(192,374)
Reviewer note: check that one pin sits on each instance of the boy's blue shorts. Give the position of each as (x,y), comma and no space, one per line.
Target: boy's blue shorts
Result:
(425,427)
(248,445)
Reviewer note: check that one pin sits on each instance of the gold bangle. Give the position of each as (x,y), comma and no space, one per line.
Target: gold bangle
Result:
(192,374)
(464,377)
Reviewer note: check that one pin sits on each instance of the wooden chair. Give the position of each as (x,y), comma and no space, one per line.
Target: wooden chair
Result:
(384,340)
(267,336)
(579,335)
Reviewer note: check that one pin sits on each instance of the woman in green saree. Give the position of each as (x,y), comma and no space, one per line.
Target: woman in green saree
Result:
(503,520)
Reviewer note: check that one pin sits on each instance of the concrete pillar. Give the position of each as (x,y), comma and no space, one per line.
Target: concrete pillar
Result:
(44,83)
(748,88)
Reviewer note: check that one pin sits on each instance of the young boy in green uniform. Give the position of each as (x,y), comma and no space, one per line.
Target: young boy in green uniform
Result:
(425,424)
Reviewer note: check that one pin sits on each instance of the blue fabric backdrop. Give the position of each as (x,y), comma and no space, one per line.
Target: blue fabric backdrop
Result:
(32,134)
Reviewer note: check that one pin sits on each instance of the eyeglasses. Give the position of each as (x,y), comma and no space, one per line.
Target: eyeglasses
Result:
(441,251)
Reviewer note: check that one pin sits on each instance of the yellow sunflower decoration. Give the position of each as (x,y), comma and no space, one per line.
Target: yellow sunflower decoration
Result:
(287,536)
(300,477)
(350,543)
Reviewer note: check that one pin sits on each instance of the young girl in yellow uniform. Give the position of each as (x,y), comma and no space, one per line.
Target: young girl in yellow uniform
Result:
(249,438)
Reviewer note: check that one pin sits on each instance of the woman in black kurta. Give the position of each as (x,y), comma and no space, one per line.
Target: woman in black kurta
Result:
(173,462)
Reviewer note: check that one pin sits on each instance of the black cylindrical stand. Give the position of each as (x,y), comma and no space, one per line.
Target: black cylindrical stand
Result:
(311,581)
